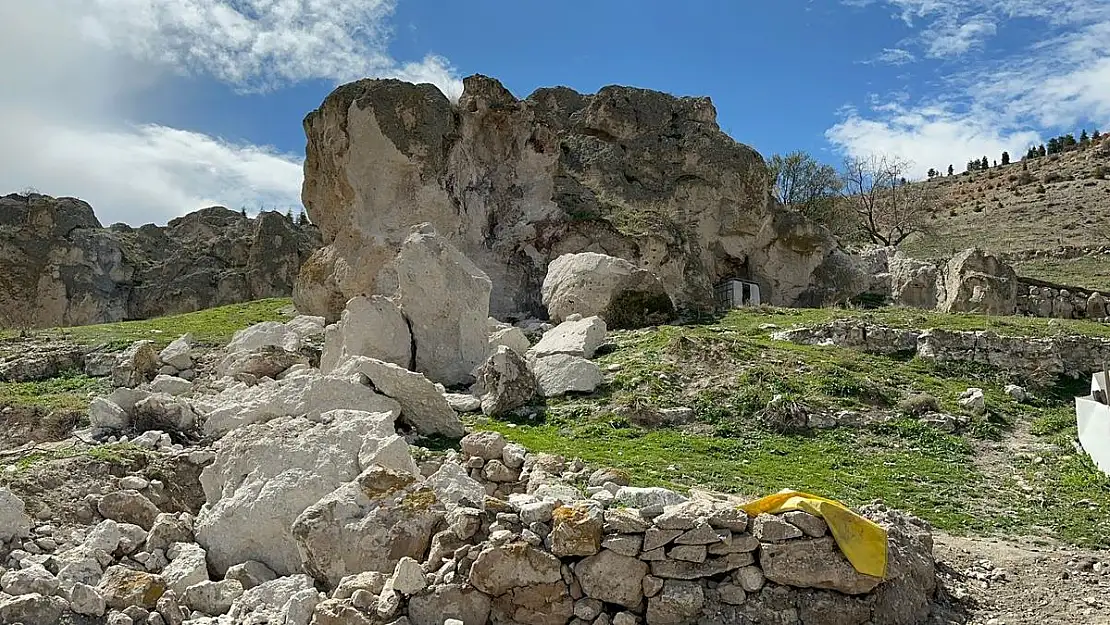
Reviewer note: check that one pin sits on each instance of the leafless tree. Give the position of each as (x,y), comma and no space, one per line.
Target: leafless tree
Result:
(888,209)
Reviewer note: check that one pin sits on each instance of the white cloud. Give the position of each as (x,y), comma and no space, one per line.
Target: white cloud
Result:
(894,56)
(74,104)
(1004,100)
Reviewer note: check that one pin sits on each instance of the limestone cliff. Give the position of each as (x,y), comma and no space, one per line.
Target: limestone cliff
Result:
(632,173)
(60,267)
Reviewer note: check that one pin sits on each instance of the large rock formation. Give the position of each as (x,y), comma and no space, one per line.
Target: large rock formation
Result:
(514,184)
(59,266)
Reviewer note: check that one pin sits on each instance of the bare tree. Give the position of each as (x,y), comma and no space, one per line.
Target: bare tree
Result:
(888,209)
(805,185)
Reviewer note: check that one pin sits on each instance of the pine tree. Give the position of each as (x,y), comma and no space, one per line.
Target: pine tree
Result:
(1041,151)
(1096,135)
(1005,158)
(972,165)
(243,212)
(951,170)
(289,215)
(932,173)
(1084,139)
(985,164)
(302,218)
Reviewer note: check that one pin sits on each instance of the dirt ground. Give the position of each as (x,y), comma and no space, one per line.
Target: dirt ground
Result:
(994,582)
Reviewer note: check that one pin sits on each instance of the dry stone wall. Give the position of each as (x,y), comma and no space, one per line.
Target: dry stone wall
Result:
(1035,359)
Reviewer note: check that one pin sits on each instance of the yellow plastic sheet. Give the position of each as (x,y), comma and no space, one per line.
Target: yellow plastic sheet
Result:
(864,543)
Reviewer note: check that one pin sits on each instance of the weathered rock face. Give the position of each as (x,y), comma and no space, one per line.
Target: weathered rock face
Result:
(61,267)
(514,184)
(975,281)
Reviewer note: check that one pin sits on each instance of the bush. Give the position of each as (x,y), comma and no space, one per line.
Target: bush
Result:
(1052,177)
(1041,189)
(1100,172)
(1025,178)
(918,405)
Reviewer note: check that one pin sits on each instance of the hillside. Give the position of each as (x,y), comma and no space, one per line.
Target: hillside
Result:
(717,406)
(1044,214)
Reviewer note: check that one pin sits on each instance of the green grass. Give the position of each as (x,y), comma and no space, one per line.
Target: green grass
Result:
(70,392)
(112,453)
(729,370)
(1092,272)
(213,326)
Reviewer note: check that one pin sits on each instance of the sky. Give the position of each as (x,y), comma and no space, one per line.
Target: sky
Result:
(149,109)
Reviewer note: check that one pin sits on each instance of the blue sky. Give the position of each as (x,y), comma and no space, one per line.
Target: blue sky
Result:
(151,108)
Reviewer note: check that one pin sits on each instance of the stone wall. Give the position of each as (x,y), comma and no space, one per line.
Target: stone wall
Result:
(1034,359)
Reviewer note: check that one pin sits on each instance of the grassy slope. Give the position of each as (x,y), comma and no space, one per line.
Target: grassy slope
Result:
(727,370)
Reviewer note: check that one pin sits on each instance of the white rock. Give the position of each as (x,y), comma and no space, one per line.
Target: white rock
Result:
(14,522)
(1016,392)
(250,574)
(511,337)
(137,364)
(973,400)
(408,577)
(463,402)
(596,284)
(445,297)
(166,411)
(454,487)
(306,326)
(369,326)
(308,395)
(170,385)
(636,497)
(27,580)
(285,600)
(267,474)
(105,414)
(560,374)
(264,334)
(187,567)
(422,404)
(178,354)
(575,338)
(213,598)
(84,599)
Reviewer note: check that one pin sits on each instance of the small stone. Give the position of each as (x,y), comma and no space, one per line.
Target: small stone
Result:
(624,618)
(250,574)
(485,445)
(652,585)
(655,537)
(732,595)
(770,528)
(688,553)
(704,535)
(84,599)
(214,598)
(408,577)
(587,609)
(513,455)
(363,599)
(750,578)
(812,526)
(133,482)
(624,544)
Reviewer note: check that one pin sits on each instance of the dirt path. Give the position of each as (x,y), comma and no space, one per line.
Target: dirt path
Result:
(993,582)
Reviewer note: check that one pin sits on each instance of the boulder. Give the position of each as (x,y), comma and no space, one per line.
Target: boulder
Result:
(511,337)
(33,609)
(445,298)
(266,475)
(442,603)
(612,578)
(213,598)
(137,364)
(86,600)
(250,574)
(178,354)
(287,600)
(679,603)
(122,588)
(504,382)
(516,183)
(169,529)
(1096,306)
(187,567)
(14,522)
(266,361)
(371,327)
(577,337)
(499,569)
(576,530)
(160,411)
(28,580)
(423,406)
(913,282)
(170,385)
(560,374)
(368,524)
(310,395)
(813,563)
(265,334)
(973,400)
(976,281)
(128,506)
(591,284)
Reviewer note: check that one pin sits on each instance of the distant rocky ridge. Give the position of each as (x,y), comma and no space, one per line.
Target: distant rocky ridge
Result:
(514,184)
(60,267)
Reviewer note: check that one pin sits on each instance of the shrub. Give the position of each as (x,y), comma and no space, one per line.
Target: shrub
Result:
(1100,172)
(1052,177)
(1025,178)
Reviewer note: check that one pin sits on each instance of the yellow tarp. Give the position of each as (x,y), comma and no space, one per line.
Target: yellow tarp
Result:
(861,541)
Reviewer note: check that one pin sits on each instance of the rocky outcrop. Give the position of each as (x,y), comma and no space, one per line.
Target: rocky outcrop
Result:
(60,267)
(514,184)
(974,281)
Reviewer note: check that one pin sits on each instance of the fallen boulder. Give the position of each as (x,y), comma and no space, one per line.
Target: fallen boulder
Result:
(591,284)
(369,326)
